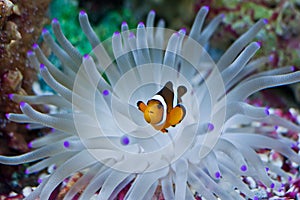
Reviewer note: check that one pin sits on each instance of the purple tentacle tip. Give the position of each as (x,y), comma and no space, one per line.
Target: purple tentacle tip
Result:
(272,185)
(131,35)
(124,140)
(290,178)
(255,198)
(152,12)
(206,8)
(35,46)
(267,169)
(243,168)
(124,23)
(267,110)
(54,20)
(26,171)
(182,31)
(276,127)
(44,31)
(141,25)
(22,104)
(210,126)
(266,21)
(66,144)
(29,145)
(42,66)
(10,96)
(117,33)
(259,43)
(7,115)
(86,56)
(30,53)
(105,92)
(222,16)
(40,180)
(82,12)
(293,68)
(218,175)
(271,58)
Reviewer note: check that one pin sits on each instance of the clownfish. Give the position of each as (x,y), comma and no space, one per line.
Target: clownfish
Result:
(159,111)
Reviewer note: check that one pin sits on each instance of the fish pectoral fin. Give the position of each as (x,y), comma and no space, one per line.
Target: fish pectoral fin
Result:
(176,115)
(164,130)
(142,107)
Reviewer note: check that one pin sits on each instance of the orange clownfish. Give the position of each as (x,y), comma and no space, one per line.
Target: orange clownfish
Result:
(159,111)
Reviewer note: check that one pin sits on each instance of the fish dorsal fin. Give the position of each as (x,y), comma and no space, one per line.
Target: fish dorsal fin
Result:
(168,94)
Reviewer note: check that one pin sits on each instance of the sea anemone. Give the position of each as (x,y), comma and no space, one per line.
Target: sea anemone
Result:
(99,131)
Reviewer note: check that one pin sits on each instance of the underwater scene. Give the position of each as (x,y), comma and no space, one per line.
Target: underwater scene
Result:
(157,99)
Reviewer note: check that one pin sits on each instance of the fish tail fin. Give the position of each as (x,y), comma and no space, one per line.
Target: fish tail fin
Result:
(176,115)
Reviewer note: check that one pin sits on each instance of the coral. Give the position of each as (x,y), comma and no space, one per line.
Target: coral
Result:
(280,37)
(100,135)
(21,23)
(176,17)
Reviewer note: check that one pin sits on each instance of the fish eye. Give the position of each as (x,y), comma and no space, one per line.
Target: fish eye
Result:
(159,106)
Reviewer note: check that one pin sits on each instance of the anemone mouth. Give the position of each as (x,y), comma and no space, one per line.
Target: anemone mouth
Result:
(106,112)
